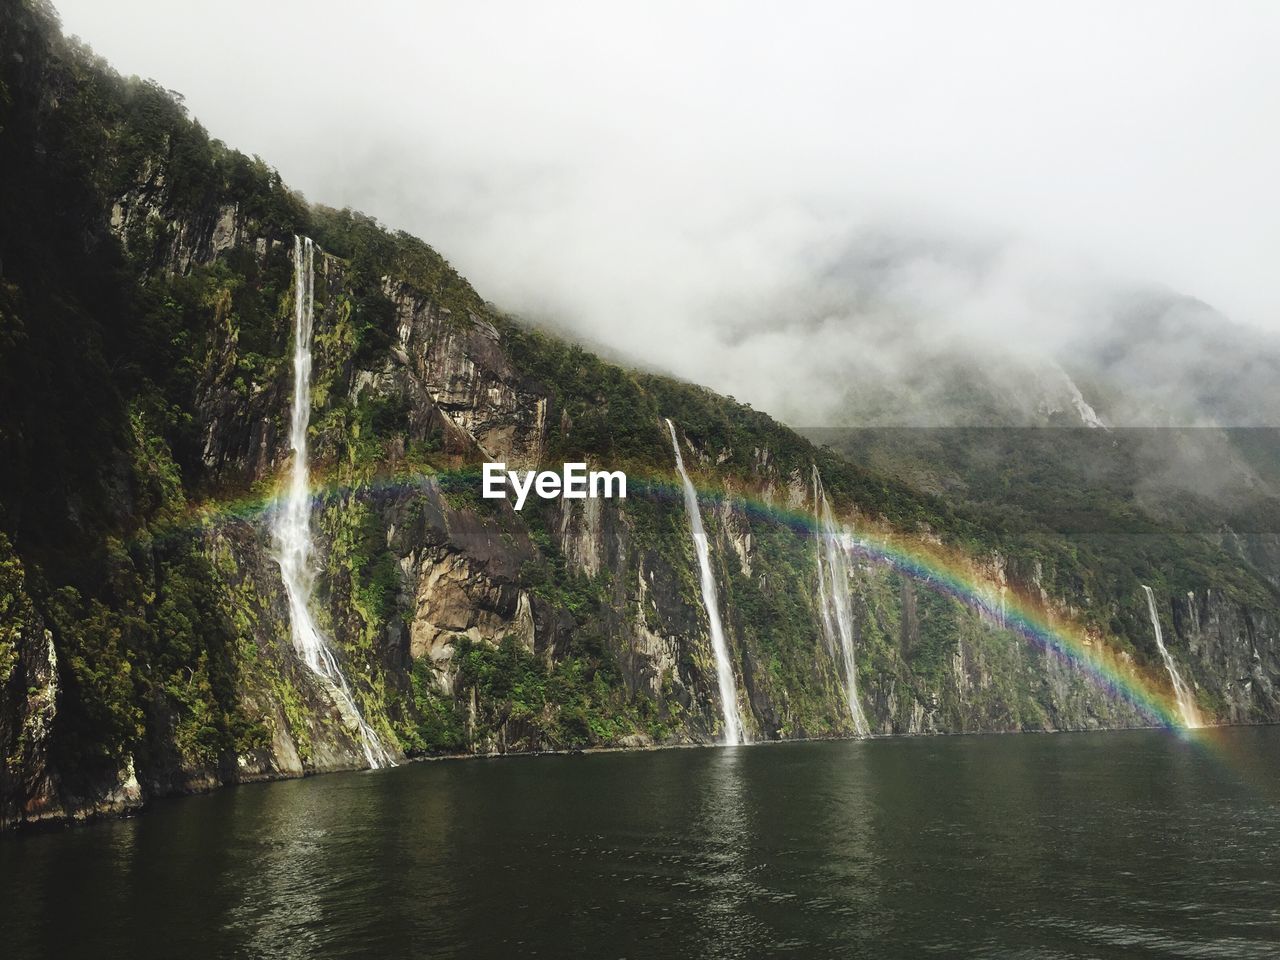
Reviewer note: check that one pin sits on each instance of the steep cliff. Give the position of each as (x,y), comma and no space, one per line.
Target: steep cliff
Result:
(145,295)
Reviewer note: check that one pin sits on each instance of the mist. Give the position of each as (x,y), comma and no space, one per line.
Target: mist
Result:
(782,203)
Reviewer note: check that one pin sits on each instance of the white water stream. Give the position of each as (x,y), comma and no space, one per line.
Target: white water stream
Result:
(734,731)
(292,526)
(1182,692)
(833,598)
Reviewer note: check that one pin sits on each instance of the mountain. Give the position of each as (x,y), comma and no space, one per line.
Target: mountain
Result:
(895,328)
(149,285)
(1081,407)
(1029,387)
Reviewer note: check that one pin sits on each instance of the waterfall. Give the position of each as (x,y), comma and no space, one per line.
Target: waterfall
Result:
(1186,702)
(734,733)
(833,599)
(292,526)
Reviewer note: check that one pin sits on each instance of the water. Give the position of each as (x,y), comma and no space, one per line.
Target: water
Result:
(293,518)
(734,730)
(1182,693)
(1108,845)
(833,598)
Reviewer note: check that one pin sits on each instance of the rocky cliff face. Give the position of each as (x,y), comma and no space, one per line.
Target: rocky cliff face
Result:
(165,664)
(1232,652)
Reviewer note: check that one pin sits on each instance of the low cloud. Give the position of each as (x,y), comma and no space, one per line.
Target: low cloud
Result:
(780,203)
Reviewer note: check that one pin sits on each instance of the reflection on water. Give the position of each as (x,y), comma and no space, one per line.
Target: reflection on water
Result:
(727,839)
(281,906)
(1103,845)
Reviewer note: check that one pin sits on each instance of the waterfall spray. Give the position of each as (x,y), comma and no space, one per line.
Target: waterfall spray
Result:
(734,732)
(293,518)
(833,598)
(1186,701)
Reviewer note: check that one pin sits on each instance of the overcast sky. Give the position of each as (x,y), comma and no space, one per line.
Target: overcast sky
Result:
(665,176)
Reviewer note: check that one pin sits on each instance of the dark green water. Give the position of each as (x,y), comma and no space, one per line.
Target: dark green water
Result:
(1101,845)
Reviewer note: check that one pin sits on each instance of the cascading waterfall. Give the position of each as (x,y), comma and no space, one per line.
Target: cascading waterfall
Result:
(1186,702)
(734,731)
(833,598)
(293,517)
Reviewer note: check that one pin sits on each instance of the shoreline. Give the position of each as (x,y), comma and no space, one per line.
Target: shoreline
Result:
(30,827)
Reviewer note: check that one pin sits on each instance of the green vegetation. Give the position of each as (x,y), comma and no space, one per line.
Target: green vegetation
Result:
(441,722)
(937,621)
(526,703)
(777,618)
(17,616)
(358,555)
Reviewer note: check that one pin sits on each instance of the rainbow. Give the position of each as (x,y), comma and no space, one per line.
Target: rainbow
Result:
(950,572)
(933,565)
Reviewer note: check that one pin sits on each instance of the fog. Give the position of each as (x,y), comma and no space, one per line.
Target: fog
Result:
(775,200)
